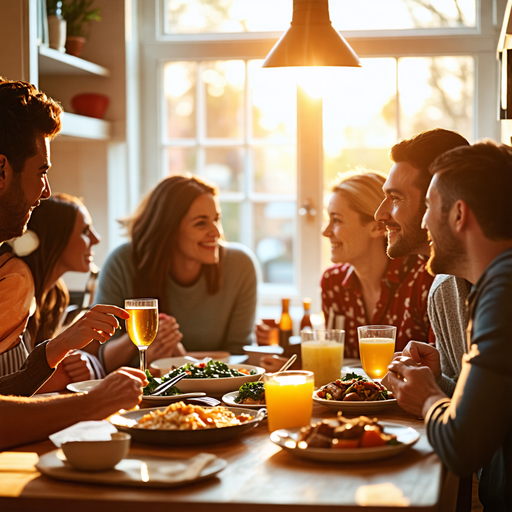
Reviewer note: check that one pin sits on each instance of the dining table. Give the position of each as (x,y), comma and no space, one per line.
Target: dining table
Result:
(259,477)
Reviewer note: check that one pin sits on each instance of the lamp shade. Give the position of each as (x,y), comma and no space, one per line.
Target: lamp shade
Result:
(311,40)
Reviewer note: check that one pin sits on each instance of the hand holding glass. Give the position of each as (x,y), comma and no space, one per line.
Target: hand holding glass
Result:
(376,348)
(322,354)
(142,325)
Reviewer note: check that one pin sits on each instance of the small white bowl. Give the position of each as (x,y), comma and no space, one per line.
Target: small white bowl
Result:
(97,455)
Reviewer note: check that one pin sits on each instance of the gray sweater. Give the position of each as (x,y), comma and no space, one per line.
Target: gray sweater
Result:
(448,316)
(223,321)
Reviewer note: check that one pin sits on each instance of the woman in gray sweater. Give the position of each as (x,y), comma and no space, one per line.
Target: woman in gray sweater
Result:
(206,288)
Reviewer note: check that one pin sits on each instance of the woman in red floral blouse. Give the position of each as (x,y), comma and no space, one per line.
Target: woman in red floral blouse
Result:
(365,286)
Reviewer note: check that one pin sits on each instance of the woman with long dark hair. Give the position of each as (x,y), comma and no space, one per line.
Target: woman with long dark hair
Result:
(206,289)
(59,239)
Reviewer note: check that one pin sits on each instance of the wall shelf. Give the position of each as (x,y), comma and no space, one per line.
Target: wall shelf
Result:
(84,127)
(53,62)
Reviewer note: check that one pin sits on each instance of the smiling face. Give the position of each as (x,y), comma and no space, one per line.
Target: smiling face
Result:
(78,254)
(21,192)
(447,254)
(402,211)
(199,232)
(350,239)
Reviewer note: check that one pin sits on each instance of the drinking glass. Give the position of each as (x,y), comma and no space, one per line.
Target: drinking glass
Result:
(142,325)
(322,354)
(289,399)
(376,348)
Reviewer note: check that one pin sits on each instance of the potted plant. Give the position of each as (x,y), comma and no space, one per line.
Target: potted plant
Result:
(78,15)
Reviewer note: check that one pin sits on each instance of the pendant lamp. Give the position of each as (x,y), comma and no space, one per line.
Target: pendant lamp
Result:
(311,40)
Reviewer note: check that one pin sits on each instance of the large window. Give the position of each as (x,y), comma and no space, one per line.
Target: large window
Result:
(211,110)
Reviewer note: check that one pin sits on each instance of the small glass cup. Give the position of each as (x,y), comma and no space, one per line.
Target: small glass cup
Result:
(376,348)
(322,353)
(289,399)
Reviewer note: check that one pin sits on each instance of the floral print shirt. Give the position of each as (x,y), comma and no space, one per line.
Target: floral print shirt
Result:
(402,302)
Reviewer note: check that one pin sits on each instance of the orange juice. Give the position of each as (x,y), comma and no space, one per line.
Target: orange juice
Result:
(324,358)
(289,398)
(376,354)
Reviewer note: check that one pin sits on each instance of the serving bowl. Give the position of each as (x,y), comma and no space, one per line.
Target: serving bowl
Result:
(97,455)
(125,422)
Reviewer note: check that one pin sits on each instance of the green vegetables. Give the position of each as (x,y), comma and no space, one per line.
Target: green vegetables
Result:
(209,370)
(250,390)
(154,382)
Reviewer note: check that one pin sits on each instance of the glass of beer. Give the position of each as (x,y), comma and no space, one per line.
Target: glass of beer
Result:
(322,354)
(376,348)
(142,325)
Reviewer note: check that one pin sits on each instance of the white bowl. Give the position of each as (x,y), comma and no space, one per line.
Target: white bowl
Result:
(219,387)
(97,455)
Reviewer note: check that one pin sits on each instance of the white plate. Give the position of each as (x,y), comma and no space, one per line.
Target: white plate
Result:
(167,364)
(219,387)
(229,399)
(286,439)
(354,407)
(86,385)
(128,472)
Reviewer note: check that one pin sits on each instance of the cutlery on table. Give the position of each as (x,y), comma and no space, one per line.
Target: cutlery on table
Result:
(162,388)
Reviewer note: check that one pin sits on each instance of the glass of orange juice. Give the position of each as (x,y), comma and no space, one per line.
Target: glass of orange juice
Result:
(376,348)
(322,354)
(289,398)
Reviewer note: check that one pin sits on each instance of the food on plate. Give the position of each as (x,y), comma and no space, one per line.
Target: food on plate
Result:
(154,382)
(251,393)
(179,416)
(354,388)
(344,434)
(209,370)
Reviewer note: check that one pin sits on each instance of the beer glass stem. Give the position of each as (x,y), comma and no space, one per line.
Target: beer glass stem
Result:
(142,356)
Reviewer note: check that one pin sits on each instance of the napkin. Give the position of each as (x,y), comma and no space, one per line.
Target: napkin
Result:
(84,431)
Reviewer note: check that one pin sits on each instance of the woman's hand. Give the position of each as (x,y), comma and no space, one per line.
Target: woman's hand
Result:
(78,367)
(99,323)
(167,341)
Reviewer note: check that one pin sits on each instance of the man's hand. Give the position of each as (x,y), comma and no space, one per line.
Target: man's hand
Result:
(168,340)
(265,332)
(424,354)
(414,386)
(121,389)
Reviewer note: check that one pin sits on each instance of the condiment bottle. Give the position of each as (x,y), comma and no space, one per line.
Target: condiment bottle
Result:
(285,325)
(305,323)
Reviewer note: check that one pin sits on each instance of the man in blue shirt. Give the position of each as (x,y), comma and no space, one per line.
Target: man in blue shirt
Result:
(469,218)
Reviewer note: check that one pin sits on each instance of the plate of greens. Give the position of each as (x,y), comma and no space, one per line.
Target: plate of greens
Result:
(250,395)
(215,378)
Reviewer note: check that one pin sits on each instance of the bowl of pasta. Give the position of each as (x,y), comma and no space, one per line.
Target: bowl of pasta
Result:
(182,424)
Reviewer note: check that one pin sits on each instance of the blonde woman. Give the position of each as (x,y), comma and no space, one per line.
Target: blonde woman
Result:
(364,285)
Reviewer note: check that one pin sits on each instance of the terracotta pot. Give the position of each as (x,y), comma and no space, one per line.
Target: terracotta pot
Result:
(90,104)
(74,45)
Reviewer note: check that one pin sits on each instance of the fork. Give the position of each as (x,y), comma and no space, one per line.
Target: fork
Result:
(162,388)
(206,400)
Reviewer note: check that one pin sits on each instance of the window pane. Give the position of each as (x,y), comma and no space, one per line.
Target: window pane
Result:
(224,82)
(359,113)
(231,221)
(225,167)
(274,229)
(275,169)
(203,16)
(436,92)
(180,96)
(273,103)
(180,161)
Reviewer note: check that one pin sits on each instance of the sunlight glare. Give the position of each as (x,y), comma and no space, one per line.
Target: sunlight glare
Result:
(177,80)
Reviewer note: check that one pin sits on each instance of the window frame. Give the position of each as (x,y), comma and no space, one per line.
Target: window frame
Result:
(157,47)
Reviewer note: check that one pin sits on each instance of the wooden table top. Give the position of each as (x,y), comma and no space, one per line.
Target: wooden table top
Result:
(259,475)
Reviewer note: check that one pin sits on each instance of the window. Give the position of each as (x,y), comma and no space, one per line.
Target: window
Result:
(209,109)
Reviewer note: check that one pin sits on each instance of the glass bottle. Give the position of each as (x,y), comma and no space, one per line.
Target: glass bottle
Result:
(305,323)
(285,325)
